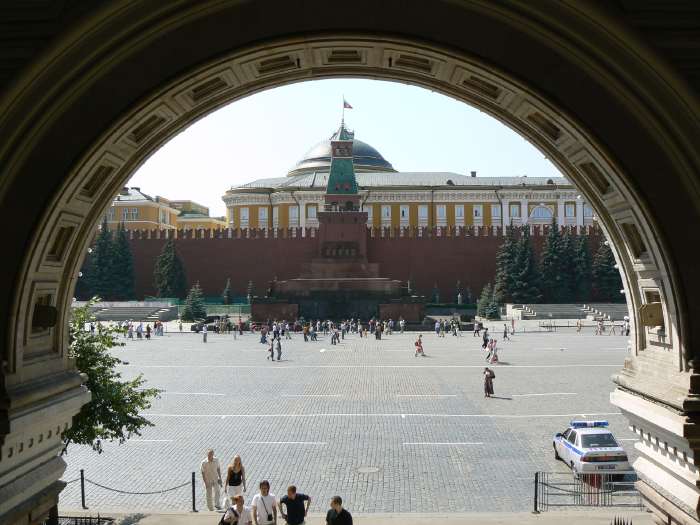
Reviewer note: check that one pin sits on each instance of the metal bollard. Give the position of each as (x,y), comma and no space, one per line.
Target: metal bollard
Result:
(194,507)
(537,483)
(82,488)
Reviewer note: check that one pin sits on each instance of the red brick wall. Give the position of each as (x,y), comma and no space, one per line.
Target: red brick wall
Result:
(427,260)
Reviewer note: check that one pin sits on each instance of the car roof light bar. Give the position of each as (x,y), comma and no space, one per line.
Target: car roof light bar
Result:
(588,424)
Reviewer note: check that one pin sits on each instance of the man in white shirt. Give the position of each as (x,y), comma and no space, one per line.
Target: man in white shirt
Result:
(211,475)
(204,332)
(238,513)
(264,505)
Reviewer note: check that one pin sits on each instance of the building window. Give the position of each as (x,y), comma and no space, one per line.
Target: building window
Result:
(515,211)
(441,211)
(370,212)
(125,214)
(293,214)
(459,211)
(541,212)
(423,212)
(587,211)
(244,215)
(495,211)
(569,210)
(386,212)
(311,211)
(478,211)
(404,212)
(110,214)
(262,216)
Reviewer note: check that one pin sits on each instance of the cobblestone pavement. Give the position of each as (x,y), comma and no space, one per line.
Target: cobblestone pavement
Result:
(365,419)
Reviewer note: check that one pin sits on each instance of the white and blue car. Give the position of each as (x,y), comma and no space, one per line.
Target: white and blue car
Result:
(589,447)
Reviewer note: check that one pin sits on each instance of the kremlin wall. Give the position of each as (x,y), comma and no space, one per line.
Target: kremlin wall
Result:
(427,256)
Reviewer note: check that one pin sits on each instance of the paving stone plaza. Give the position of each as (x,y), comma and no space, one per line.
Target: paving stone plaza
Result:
(365,419)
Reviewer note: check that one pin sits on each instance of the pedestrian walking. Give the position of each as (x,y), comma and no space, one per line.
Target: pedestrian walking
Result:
(264,505)
(578,325)
(437,328)
(238,513)
(512,326)
(148,332)
(297,506)
(492,358)
(278,347)
(337,515)
(489,376)
(402,324)
(204,332)
(626,326)
(139,331)
(211,476)
(505,332)
(419,346)
(179,325)
(235,479)
(477,329)
(485,338)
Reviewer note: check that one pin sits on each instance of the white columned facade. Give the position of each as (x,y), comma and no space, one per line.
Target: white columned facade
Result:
(561,218)
(579,212)
(524,214)
(505,213)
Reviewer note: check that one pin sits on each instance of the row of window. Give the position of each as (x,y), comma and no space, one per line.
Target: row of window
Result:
(127,214)
(540,212)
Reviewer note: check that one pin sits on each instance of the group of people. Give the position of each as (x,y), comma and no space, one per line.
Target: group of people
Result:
(264,507)
(443,327)
(130,328)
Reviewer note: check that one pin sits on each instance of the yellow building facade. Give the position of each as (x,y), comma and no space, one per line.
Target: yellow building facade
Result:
(136,210)
(405,199)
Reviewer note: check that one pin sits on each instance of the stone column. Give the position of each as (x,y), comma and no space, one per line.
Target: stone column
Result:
(561,216)
(579,212)
(302,217)
(523,211)
(505,214)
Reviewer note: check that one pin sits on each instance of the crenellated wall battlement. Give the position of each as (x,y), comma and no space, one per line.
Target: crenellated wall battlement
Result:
(409,232)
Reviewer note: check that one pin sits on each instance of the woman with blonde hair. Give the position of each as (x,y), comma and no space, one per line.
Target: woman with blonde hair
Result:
(235,479)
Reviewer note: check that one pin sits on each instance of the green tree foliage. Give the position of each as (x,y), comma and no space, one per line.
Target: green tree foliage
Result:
(554,274)
(607,282)
(113,412)
(227,294)
(505,267)
(487,306)
(194,305)
(526,277)
(99,278)
(83,286)
(567,259)
(122,266)
(582,274)
(169,273)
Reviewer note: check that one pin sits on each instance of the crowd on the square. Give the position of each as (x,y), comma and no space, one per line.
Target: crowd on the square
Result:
(265,507)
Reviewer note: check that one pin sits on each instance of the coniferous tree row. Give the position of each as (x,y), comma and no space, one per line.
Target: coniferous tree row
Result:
(169,273)
(582,273)
(505,267)
(526,275)
(606,277)
(553,269)
(108,270)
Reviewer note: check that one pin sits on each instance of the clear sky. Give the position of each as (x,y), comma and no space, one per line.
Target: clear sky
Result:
(265,134)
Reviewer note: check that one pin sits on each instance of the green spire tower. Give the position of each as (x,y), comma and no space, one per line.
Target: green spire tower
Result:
(341,192)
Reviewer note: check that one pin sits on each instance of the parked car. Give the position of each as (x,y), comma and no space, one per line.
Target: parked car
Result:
(212,322)
(589,447)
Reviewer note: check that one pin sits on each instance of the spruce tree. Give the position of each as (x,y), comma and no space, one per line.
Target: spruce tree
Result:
(485,299)
(505,261)
(84,285)
(526,277)
(102,278)
(123,266)
(194,305)
(582,274)
(227,294)
(567,261)
(169,274)
(606,278)
(554,275)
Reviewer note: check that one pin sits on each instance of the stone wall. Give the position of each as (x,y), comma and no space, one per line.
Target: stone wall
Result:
(426,256)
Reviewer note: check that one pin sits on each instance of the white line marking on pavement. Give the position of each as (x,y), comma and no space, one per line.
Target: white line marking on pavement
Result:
(310,395)
(449,444)
(149,441)
(191,393)
(286,443)
(426,395)
(281,367)
(490,416)
(546,394)
(629,439)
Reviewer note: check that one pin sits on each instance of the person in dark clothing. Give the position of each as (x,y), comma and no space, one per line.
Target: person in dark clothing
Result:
(337,515)
(296,504)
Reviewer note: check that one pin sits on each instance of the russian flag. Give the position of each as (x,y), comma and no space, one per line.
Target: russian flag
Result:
(346,105)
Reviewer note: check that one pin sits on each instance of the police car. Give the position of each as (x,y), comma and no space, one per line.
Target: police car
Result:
(588,446)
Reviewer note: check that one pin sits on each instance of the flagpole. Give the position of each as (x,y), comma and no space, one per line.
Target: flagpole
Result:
(342,118)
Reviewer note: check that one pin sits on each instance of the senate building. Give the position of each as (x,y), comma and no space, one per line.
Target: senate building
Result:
(401,199)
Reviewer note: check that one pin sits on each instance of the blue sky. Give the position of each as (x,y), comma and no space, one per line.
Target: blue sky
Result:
(265,134)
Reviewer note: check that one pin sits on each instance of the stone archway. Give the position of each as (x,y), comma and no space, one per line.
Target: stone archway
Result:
(591,96)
